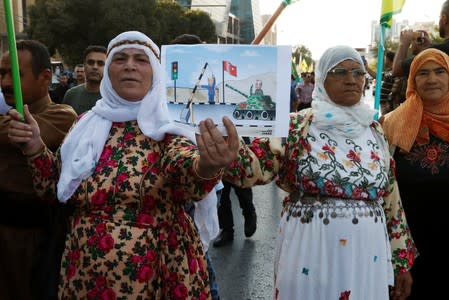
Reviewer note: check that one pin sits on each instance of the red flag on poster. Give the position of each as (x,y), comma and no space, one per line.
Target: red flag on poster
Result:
(230,68)
(233,71)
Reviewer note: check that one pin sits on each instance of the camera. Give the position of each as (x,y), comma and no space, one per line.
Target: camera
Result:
(418,36)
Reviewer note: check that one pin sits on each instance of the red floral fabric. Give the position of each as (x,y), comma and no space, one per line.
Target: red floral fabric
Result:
(130,237)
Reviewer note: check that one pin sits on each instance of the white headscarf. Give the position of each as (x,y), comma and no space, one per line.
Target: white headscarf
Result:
(83,145)
(348,121)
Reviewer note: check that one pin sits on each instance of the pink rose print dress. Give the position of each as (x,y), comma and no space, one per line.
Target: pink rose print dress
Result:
(129,236)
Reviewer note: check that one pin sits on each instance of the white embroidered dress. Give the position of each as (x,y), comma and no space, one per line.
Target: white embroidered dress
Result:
(342,251)
(343,229)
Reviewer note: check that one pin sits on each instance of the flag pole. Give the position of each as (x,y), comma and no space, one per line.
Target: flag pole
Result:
(380,63)
(270,22)
(222,76)
(190,101)
(13,56)
(388,9)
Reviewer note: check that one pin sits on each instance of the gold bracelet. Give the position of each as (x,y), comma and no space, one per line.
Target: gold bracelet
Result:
(195,169)
(40,151)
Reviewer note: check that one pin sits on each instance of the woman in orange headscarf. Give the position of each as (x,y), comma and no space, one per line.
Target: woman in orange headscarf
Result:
(418,130)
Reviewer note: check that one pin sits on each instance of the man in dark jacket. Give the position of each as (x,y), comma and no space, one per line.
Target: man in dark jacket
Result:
(29,255)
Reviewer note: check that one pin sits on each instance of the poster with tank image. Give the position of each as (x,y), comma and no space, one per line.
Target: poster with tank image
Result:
(250,84)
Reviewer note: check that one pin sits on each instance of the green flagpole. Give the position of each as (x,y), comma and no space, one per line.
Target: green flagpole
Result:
(13,56)
(388,9)
(380,64)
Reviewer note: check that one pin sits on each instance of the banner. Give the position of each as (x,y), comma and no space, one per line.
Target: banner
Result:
(389,8)
(254,100)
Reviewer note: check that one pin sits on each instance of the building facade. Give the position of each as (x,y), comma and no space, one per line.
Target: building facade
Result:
(236,21)
(394,32)
(20,11)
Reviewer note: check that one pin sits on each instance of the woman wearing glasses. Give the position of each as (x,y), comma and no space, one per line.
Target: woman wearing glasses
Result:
(419,131)
(343,232)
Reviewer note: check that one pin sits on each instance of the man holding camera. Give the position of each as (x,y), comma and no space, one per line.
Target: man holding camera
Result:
(419,40)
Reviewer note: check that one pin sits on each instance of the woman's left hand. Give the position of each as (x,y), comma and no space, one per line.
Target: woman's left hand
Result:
(216,151)
(402,286)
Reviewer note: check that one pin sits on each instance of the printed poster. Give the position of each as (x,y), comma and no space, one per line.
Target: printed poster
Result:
(248,83)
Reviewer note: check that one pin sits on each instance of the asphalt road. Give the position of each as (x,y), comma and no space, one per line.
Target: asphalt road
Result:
(244,269)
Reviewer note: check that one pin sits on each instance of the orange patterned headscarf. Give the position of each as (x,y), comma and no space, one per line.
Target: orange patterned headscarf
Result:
(415,119)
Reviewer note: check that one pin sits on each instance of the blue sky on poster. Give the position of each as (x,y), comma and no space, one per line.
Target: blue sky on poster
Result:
(319,24)
(269,65)
(248,61)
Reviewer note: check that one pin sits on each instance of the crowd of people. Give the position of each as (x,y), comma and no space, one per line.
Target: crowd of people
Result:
(301,91)
(105,197)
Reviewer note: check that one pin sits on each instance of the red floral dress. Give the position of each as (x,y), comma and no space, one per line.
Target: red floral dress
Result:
(129,237)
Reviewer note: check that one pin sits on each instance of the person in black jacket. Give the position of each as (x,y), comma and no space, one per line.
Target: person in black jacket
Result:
(225,217)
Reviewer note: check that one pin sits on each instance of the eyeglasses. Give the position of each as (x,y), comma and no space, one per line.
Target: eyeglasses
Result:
(340,73)
(92,62)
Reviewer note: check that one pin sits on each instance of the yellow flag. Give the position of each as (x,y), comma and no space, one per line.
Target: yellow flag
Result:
(304,65)
(389,8)
(310,68)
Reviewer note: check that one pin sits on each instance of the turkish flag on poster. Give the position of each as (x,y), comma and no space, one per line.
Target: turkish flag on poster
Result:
(233,71)
(230,68)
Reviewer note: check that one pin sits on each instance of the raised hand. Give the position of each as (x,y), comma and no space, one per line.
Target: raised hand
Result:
(26,135)
(216,151)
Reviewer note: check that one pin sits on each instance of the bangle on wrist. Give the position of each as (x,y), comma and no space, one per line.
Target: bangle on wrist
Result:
(40,151)
(195,169)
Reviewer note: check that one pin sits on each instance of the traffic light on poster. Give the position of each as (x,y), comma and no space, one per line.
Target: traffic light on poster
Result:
(174,70)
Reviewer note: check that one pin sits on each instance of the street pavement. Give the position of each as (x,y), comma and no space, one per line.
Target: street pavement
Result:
(244,269)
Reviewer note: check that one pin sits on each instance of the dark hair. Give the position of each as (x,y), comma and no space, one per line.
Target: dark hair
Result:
(79,66)
(187,39)
(445,8)
(66,73)
(93,48)
(40,57)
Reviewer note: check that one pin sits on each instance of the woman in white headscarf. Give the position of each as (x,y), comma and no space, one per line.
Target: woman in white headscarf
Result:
(343,229)
(128,171)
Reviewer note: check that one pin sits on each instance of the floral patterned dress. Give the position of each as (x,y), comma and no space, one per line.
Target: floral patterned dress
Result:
(129,237)
(342,229)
